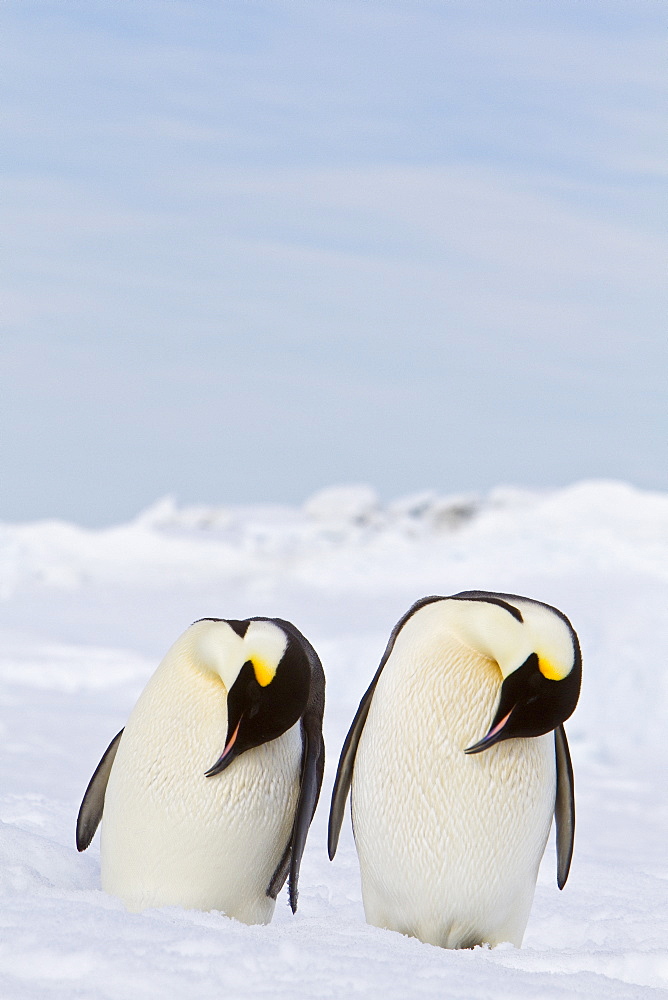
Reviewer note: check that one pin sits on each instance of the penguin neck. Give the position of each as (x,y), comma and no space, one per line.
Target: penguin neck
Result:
(215,649)
(489,630)
(212,649)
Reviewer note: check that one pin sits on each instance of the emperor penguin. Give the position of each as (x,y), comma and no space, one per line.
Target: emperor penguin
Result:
(458,760)
(206,796)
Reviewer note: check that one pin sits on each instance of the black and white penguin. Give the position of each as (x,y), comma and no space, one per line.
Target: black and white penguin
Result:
(208,793)
(458,760)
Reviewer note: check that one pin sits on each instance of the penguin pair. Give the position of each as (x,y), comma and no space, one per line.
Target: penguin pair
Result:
(449,832)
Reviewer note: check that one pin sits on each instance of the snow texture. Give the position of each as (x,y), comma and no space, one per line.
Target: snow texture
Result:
(86,616)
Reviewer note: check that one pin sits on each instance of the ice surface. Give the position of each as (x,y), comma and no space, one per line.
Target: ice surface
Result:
(86,615)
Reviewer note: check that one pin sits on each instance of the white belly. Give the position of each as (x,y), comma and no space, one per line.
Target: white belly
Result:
(170,836)
(449,844)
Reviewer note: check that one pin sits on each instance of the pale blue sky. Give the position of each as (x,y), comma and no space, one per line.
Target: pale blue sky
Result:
(251,249)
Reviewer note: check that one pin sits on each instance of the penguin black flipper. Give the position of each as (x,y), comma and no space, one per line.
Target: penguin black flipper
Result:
(344,773)
(313,763)
(564,807)
(92,805)
(312,770)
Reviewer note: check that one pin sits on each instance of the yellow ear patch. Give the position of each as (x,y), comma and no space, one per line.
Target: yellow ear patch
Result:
(550,670)
(264,672)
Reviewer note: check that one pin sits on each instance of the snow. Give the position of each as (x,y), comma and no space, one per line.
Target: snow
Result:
(86,616)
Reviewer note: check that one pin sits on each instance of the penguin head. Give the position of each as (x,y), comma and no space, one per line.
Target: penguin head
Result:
(538,654)
(266,673)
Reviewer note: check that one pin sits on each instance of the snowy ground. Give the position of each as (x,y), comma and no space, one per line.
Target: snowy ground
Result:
(87,615)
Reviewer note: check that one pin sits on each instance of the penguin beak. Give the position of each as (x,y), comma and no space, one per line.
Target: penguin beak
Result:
(493,736)
(227,756)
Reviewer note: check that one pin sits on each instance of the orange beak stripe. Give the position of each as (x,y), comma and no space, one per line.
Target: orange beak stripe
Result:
(230,742)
